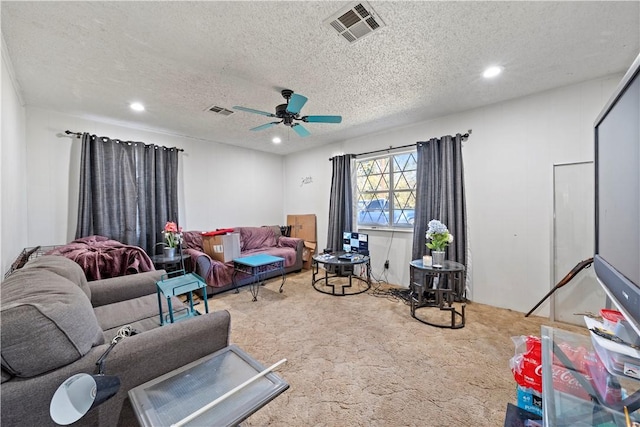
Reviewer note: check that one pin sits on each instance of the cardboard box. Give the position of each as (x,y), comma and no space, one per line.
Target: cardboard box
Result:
(303,226)
(308,252)
(222,247)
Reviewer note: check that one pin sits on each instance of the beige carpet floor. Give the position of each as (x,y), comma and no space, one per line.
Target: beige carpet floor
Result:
(362,360)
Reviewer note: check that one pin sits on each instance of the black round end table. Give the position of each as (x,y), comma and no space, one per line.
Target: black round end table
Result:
(338,266)
(438,287)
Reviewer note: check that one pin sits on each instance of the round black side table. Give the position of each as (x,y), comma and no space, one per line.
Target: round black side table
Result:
(337,266)
(437,287)
(168,264)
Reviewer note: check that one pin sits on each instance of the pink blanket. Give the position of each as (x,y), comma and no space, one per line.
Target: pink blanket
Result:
(253,240)
(102,258)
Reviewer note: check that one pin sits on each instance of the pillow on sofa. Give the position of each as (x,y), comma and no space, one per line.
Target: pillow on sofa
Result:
(256,238)
(64,267)
(46,322)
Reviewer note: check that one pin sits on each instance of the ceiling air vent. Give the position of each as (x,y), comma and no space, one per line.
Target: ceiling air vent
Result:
(355,21)
(220,110)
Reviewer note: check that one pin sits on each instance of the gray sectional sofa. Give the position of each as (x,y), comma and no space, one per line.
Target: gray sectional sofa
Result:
(55,324)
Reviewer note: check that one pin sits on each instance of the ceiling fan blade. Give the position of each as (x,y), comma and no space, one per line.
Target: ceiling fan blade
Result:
(265,126)
(296,102)
(251,110)
(300,130)
(322,119)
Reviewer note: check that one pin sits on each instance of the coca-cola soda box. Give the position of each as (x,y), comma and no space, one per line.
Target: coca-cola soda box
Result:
(526,366)
(583,363)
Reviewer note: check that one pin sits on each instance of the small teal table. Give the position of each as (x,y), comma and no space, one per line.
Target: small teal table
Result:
(180,285)
(257,266)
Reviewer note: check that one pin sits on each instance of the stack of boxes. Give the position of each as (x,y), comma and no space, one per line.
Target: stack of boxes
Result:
(221,245)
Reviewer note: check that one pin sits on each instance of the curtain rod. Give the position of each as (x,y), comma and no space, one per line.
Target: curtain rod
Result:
(79,135)
(464,138)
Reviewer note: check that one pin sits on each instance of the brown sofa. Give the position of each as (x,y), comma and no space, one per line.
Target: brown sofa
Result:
(253,241)
(55,324)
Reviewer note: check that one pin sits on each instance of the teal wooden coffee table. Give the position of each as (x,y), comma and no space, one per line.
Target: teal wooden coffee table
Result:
(257,266)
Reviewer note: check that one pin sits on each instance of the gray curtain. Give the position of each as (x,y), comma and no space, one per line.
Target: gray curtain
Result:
(128,190)
(340,202)
(440,195)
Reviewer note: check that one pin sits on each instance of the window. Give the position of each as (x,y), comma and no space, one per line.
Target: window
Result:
(386,190)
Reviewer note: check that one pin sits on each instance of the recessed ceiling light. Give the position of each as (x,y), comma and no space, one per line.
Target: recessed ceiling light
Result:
(136,106)
(491,72)
(276,140)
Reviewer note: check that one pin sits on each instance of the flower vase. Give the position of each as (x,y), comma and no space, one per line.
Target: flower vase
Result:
(169,252)
(437,258)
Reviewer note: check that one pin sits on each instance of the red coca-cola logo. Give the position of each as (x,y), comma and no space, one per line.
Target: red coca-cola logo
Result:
(538,370)
(564,380)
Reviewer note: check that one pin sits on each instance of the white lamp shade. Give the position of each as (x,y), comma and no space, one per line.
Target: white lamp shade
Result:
(78,394)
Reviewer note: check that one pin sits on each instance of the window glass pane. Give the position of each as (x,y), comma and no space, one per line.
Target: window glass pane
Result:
(386,190)
(405,181)
(405,162)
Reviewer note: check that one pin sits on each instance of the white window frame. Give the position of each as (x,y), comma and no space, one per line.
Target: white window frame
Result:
(373,219)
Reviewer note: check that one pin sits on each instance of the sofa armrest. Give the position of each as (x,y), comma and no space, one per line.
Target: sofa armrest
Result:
(291,242)
(205,266)
(153,353)
(135,360)
(200,261)
(25,401)
(108,291)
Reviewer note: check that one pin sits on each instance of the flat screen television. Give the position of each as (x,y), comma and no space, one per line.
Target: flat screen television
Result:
(617,195)
(355,242)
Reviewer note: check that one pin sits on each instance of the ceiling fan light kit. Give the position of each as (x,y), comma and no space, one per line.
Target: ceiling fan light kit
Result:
(289,113)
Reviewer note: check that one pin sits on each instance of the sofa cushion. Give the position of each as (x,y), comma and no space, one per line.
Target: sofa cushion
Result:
(256,238)
(46,322)
(62,267)
(116,315)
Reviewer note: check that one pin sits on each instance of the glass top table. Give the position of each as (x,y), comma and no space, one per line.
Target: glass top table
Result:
(338,266)
(437,287)
(578,388)
(176,395)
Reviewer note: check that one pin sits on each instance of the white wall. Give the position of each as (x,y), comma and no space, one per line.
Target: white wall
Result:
(13,171)
(221,186)
(508,172)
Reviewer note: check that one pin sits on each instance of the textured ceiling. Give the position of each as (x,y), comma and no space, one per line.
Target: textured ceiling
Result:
(92,59)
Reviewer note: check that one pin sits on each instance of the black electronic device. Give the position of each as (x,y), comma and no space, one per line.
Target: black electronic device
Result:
(617,196)
(355,242)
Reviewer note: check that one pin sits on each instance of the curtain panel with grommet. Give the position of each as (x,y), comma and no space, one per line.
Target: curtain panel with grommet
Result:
(128,190)
(340,201)
(440,195)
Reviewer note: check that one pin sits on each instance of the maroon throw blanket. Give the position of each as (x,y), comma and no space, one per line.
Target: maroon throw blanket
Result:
(102,258)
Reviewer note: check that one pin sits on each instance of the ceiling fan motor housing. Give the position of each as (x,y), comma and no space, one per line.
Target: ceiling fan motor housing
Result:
(286,93)
(282,113)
